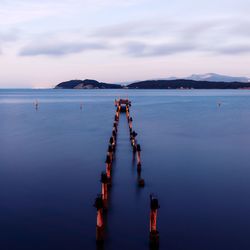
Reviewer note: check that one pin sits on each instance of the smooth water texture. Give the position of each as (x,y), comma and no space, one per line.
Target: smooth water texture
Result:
(195,158)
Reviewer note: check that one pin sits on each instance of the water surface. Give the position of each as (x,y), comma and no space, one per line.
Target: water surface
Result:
(195,157)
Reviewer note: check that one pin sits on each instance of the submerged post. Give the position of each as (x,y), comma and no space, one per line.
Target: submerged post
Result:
(138,150)
(115,126)
(133,140)
(108,168)
(114,134)
(130,122)
(140,181)
(110,152)
(99,219)
(127,111)
(112,142)
(154,234)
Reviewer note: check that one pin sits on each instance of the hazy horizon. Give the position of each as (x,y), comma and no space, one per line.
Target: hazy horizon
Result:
(44,43)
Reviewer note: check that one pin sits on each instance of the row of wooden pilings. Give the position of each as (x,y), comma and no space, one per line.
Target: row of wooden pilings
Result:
(101,201)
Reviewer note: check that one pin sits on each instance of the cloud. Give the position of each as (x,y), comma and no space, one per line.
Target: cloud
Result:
(234,49)
(147,38)
(9,35)
(60,49)
(176,36)
(140,49)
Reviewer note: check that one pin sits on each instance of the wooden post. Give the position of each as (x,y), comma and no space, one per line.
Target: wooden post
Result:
(104,181)
(108,168)
(153,234)
(130,122)
(99,219)
(138,150)
(110,152)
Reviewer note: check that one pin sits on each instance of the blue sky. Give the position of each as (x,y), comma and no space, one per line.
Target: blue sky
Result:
(46,42)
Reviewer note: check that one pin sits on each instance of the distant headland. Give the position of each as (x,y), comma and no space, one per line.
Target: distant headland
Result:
(154,84)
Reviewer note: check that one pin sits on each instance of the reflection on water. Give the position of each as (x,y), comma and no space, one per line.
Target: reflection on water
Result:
(195,157)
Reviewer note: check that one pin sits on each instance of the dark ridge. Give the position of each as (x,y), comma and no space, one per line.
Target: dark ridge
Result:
(86,84)
(186,84)
(153,84)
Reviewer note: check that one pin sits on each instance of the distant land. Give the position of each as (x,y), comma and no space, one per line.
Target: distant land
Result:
(212,77)
(87,84)
(206,81)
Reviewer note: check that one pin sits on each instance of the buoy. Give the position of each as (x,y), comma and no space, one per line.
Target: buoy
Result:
(36,104)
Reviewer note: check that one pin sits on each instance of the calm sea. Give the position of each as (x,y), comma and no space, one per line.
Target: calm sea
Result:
(195,158)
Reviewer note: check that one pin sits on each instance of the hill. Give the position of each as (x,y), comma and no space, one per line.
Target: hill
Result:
(187,84)
(86,84)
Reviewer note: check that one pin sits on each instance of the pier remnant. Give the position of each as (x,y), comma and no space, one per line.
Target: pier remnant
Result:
(123,104)
(101,202)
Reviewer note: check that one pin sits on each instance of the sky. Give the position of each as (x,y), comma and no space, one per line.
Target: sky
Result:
(46,42)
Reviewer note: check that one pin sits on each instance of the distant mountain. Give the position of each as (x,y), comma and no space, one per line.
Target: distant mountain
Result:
(209,77)
(86,84)
(212,77)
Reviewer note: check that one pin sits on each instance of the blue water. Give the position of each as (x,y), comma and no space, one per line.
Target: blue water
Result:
(195,158)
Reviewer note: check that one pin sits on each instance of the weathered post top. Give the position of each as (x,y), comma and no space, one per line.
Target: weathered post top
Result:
(98,202)
(154,204)
(119,102)
(123,103)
